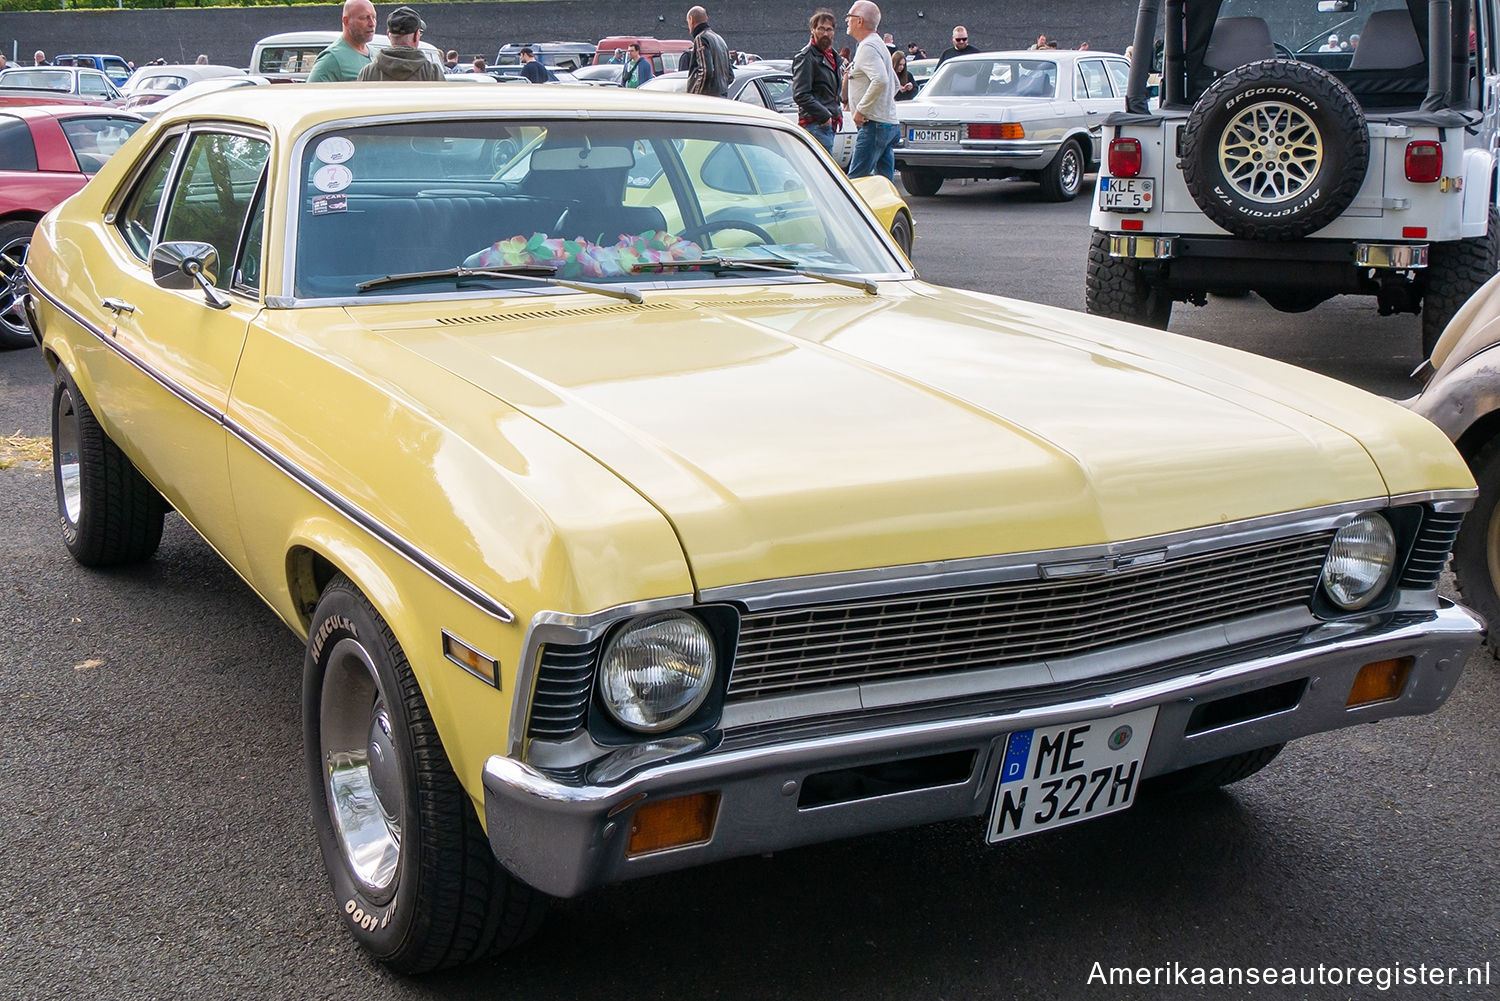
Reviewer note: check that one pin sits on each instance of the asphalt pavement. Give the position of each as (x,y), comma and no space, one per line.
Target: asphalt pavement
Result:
(157,841)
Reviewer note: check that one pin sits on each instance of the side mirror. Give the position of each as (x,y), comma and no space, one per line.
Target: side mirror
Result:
(1337,6)
(183,264)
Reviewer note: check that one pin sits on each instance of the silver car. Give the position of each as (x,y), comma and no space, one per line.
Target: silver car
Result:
(1034,115)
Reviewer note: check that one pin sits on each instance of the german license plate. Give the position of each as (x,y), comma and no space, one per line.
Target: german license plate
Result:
(932,136)
(1126,194)
(1060,775)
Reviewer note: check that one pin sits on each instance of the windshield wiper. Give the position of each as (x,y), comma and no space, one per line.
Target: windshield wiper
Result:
(539,272)
(718,263)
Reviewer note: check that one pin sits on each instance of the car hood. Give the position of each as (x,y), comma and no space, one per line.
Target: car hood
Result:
(804,429)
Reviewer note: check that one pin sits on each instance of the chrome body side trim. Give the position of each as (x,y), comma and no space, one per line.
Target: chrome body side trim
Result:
(399,545)
(567,838)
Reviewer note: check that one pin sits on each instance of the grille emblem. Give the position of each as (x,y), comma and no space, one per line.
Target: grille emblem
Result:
(1104,564)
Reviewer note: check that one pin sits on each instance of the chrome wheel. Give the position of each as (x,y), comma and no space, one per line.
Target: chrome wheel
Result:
(1270,152)
(1070,171)
(13,287)
(364,782)
(65,456)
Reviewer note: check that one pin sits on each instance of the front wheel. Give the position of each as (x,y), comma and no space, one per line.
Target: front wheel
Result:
(411,869)
(1455,270)
(1114,287)
(1062,178)
(1476,554)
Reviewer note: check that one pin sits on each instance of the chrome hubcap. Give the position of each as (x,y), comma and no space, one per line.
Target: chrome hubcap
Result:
(13,286)
(65,456)
(366,794)
(1270,152)
(1069,171)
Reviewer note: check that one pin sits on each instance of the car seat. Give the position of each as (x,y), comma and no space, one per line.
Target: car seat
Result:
(1236,41)
(1389,42)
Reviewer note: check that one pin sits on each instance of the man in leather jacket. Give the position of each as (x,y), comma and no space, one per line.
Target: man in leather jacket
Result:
(816,78)
(710,70)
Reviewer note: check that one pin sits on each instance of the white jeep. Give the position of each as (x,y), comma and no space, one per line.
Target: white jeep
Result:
(1302,149)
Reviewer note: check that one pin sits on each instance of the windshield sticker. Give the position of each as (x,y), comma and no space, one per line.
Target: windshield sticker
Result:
(335,149)
(326,204)
(333,177)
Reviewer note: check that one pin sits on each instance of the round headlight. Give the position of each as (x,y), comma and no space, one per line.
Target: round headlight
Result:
(657,671)
(1360,561)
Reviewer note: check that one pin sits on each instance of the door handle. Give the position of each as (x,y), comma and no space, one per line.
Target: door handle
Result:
(117,306)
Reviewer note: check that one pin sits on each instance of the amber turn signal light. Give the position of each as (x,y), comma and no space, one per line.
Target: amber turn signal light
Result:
(673,823)
(1381,681)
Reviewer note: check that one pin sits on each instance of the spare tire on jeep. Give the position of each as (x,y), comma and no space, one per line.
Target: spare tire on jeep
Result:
(1275,150)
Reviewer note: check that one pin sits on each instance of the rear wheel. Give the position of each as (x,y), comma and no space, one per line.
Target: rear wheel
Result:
(108,512)
(1476,554)
(1115,288)
(1214,774)
(1455,270)
(411,867)
(15,238)
(1062,178)
(919,181)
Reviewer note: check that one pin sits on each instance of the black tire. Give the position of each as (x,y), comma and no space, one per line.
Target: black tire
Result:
(429,893)
(15,238)
(1115,288)
(1213,774)
(1455,270)
(1063,177)
(1300,157)
(108,512)
(919,181)
(903,233)
(1476,554)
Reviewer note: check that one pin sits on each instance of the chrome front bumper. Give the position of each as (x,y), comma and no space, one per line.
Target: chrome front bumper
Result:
(978,154)
(565,839)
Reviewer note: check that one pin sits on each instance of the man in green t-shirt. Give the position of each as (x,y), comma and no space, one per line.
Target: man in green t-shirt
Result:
(346,57)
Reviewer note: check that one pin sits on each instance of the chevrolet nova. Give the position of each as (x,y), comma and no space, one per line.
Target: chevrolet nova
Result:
(640,507)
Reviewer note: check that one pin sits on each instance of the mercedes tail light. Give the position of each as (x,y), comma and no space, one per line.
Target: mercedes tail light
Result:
(1424,161)
(996,130)
(1125,158)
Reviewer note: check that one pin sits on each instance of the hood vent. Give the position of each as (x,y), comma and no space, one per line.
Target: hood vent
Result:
(622,309)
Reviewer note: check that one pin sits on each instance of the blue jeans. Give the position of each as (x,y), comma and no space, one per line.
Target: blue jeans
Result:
(875,150)
(823,134)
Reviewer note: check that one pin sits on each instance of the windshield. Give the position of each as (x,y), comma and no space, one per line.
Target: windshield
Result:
(990,77)
(60,80)
(1298,25)
(594,199)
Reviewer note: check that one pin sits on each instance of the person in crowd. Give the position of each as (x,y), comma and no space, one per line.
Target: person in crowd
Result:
(450,62)
(617,56)
(817,79)
(1040,43)
(710,70)
(403,58)
(1332,45)
(3,62)
(1354,41)
(889,40)
(530,68)
(39,58)
(202,59)
(846,59)
(906,84)
(959,47)
(479,66)
(915,51)
(350,52)
(637,68)
(1083,46)
(872,95)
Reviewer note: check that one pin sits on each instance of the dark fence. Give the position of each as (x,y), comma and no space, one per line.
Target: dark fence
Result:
(772,28)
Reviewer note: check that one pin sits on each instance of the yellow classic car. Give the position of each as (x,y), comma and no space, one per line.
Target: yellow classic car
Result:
(641,508)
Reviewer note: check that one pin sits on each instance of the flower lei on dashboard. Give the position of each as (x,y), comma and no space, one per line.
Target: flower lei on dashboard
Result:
(579,258)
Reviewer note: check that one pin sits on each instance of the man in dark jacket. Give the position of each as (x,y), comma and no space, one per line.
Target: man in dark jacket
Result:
(402,59)
(530,68)
(637,67)
(816,78)
(710,70)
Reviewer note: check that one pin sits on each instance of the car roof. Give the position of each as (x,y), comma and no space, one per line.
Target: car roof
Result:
(1061,55)
(29,111)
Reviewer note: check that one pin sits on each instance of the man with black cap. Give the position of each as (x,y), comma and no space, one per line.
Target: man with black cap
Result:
(403,59)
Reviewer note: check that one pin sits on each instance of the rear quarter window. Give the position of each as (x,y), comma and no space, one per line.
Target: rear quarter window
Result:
(17,150)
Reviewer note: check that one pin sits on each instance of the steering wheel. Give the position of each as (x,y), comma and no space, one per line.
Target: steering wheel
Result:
(1284,50)
(715,225)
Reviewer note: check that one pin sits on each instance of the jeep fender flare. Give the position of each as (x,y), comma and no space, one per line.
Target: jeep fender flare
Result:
(1479,178)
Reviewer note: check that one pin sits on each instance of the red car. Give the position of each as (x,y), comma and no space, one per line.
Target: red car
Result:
(46,154)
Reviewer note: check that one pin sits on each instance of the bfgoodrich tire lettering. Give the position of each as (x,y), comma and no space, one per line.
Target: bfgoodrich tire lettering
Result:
(1455,270)
(1115,287)
(422,889)
(108,513)
(1275,150)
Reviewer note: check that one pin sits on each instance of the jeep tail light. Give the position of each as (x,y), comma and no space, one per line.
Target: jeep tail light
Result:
(1424,161)
(1125,157)
(996,130)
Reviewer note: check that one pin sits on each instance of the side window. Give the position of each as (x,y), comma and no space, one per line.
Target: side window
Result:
(750,94)
(94,140)
(1095,80)
(771,171)
(211,200)
(1119,72)
(247,268)
(17,150)
(723,170)
(137,218)
(92,85)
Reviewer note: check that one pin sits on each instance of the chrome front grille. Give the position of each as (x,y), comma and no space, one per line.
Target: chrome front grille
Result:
(785,651)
